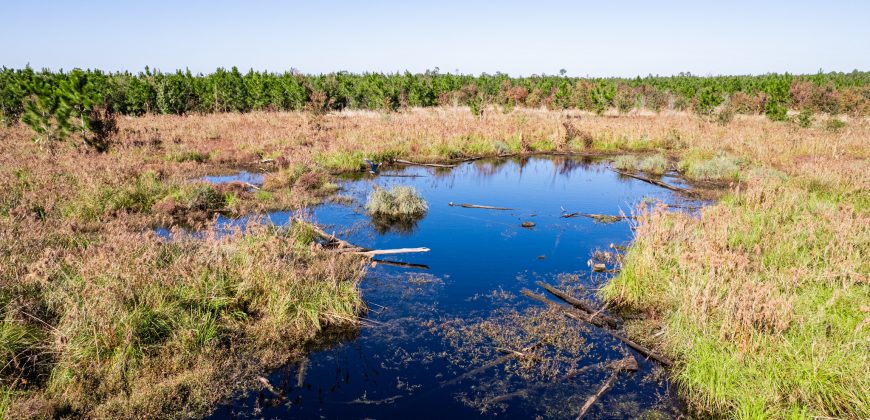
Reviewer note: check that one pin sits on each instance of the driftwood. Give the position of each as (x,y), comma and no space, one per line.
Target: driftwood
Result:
(330,239)
(432,165)
(496,362)
(579,315)
(475,206)
(627,364)
(372,252)
(344,246)
(597,317)
(656,182)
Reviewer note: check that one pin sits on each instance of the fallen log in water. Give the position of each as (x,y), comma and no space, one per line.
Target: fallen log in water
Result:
(596,316)
(432,165)
(476,206)
(579,315)
(629,363)
(330,239)
(603,218)
(347,247)
(372,252)
(656,182)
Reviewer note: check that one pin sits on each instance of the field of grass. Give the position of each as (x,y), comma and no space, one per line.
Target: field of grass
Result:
(763,300)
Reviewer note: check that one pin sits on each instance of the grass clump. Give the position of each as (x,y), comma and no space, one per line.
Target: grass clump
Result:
(722,167)
(342,161)
(400,202)
(762,301)
(188,156)
(655,164)
(625,162)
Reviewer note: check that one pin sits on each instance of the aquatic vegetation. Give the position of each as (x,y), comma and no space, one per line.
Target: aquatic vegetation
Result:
(399,202)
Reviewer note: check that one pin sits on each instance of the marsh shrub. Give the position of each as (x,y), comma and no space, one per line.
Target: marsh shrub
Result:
(835,124)
(398,202)
(805,118)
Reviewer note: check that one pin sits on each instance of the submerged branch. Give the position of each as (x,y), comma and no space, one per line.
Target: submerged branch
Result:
(595,315)
(656,182)
(585,317)
(627,364)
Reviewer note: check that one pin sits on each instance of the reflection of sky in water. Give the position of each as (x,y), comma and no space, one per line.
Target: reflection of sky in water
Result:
(243,176)
(473,252)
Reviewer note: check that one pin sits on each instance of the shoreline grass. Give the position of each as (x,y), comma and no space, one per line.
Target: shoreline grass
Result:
(762,301)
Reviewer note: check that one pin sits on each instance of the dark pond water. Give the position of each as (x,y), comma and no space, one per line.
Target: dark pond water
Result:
(463,307)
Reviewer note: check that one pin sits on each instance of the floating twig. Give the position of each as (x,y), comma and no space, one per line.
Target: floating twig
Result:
(364,400)
(476,206)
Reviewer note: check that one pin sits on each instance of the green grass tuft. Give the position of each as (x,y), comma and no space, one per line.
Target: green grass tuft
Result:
(397,202)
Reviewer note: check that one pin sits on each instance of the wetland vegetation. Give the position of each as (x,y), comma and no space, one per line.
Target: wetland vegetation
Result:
(760,298)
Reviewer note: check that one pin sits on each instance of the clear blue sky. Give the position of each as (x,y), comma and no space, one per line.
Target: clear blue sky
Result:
(602,38)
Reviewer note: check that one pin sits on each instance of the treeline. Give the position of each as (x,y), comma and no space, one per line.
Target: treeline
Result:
(232,91)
